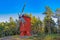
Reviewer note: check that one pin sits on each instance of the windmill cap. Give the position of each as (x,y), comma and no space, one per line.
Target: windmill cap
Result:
(26,15)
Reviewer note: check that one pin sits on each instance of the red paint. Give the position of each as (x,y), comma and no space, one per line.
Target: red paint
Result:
(25,28)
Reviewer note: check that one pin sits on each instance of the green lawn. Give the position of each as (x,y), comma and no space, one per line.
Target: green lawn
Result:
(40,37)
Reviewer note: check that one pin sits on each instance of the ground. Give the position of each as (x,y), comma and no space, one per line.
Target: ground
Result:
(46,37)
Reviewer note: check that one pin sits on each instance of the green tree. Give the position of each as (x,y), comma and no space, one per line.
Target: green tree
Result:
(48,22)
(48,12)
(2,29)
(57,15)
(12,26)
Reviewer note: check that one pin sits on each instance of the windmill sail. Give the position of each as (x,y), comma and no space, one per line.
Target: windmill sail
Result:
(23,9)
(20,15)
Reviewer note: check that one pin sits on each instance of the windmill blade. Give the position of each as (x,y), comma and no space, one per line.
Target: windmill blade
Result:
(18,14)
(23,8)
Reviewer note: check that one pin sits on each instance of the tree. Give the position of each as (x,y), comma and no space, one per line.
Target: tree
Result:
(39,26)
(48,12)
(17,26)
(48,22)
(1,31)
(12,26)
(57,15)
(2,24)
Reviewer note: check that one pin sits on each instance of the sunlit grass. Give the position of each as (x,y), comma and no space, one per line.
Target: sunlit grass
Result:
(38,37)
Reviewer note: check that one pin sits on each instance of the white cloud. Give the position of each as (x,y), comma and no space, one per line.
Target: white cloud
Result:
(4,18)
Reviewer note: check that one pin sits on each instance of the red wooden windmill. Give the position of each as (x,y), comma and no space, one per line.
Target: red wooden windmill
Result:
(25,24)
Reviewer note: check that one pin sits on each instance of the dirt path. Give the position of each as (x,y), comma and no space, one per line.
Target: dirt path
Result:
(15,38)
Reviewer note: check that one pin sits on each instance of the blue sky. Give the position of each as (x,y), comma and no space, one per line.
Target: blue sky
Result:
(36,7)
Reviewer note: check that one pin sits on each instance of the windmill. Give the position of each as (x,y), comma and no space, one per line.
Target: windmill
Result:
(24,23)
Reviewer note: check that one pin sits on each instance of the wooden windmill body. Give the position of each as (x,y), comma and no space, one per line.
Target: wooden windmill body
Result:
(25,24)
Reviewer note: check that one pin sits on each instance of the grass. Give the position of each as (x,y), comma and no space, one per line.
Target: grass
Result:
(40,37)
(52,37)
